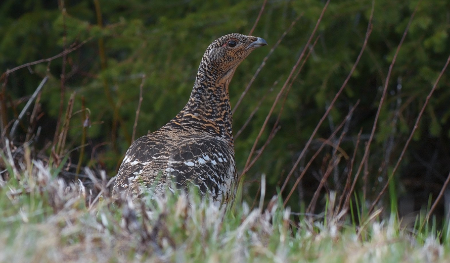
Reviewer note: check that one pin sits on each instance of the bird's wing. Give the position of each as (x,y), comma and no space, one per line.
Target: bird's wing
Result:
(205,161)
(143,161)
(198,159)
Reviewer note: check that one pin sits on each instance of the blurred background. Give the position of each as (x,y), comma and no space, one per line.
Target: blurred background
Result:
(115,43)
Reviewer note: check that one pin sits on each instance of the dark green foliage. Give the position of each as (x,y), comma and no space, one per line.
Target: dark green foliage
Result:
(165,41)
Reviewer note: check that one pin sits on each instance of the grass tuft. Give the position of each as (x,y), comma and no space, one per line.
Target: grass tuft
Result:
(44,219)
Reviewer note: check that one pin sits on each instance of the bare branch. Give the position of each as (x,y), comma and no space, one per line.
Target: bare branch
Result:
(294,69)
(317,153)
(368,32)
(257,19)
(65,52)
(263,64)
(383,96)
(416,125)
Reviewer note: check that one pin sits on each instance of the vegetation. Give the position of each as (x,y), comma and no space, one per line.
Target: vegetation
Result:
(345,116)
(45,220)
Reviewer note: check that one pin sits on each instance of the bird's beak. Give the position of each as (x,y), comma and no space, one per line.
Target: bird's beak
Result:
(258,43)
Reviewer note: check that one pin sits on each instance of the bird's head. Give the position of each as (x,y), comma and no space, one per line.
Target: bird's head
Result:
(224,54)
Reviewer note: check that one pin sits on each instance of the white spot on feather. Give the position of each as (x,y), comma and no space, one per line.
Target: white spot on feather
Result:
(126,159)
(134,162)
(133,178)
(189,163)
(201,160)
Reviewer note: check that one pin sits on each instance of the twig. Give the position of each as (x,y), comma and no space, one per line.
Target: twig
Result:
(368,32)
(256,197)
(275,126)
(85,123)
(416,125)
(294,68)
(257,19)
(347,192)
(383,96)
(389,144)
(63,77)
(5,75)
(317,153)
(94,149)
(250,117)
(261,150)
(263,64)
(312,205)
(70,50)
(63,135)
(24,110)
(138,108)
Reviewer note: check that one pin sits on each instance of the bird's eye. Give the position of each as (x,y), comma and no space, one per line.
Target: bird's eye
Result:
(232,43)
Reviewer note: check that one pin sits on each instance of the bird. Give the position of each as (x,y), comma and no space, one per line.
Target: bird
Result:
(196,147)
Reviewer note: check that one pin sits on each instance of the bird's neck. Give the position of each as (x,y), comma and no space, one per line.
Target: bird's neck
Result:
(208,109)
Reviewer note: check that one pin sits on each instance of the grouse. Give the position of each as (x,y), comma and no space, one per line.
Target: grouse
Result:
(196,147)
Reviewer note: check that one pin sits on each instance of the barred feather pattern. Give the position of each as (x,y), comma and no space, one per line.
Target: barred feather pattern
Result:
(196,147)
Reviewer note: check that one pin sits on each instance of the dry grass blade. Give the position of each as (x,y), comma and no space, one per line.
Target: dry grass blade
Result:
(45,221)
(433,207)
(294,167)
(371,218)
(63,134)
(138,108)
(22,113)
(85,124)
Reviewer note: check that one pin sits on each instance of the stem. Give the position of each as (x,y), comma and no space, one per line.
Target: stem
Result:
(294,167)
(259,16)
(63,78)
(138,108)
(104,66)
(416,125)
(24,110)
(84,121)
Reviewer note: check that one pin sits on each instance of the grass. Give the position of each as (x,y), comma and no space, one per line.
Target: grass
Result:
(45,220)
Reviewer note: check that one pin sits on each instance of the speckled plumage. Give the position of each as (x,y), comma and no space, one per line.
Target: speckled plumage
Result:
(197,145)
